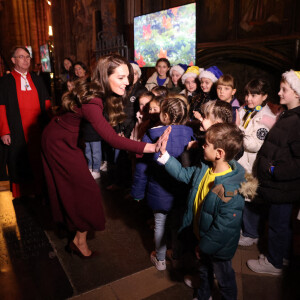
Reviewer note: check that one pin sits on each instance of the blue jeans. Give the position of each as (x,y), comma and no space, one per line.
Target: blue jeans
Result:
(167,221)
(254,219)
(225,276)
(93,155)
(160,235)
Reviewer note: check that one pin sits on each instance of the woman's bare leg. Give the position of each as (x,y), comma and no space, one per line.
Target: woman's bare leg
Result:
(80,242)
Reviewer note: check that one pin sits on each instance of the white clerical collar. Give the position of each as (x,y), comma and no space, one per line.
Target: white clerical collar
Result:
(25,86)
(24,74)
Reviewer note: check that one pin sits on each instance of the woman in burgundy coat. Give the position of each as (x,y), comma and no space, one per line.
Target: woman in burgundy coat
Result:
(74,194)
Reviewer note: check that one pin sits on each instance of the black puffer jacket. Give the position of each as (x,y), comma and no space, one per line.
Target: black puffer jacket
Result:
(131,107)
(281,149)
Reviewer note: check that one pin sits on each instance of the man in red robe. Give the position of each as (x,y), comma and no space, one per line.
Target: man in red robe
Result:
(24,102)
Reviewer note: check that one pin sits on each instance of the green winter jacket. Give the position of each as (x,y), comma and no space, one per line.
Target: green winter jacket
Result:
(222,208)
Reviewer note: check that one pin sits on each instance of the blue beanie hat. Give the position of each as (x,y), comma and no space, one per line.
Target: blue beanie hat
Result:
(183,66)
(213,73)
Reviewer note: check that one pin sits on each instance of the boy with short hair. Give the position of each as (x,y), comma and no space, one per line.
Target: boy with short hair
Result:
(277,169)
(214,206)
(226,90)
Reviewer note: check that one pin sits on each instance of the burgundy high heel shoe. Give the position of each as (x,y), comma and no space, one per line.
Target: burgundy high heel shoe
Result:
(73,249)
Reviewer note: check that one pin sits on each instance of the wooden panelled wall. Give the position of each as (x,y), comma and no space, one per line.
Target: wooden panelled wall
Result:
(24,22)
(226,29)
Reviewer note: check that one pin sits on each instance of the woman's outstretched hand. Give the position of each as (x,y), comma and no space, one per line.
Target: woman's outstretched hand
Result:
(151,148)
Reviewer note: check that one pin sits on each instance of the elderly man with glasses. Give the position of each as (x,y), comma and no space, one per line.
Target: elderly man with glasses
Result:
(24,102)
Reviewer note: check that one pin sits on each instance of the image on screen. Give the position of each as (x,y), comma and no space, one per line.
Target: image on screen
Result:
(168,33)
(45,58)
(29,48)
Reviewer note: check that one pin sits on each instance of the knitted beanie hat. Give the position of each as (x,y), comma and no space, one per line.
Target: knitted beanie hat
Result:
(293,79)
(213,73)
(193,72)
(180,68)
(136,68)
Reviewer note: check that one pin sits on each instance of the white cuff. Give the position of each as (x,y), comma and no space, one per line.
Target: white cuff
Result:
(164,158)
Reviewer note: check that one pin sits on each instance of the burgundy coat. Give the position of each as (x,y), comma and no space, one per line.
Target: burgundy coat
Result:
(74,195)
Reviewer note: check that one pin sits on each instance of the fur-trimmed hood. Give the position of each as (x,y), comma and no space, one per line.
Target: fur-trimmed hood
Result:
(249,187)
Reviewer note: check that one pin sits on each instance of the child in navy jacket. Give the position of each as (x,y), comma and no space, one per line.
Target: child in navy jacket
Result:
(152,181)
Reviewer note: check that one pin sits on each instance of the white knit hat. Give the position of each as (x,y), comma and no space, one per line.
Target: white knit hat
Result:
(136,67)
(180,68)
(293,79)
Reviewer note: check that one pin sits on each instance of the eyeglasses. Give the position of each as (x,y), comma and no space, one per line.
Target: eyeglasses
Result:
(23,57)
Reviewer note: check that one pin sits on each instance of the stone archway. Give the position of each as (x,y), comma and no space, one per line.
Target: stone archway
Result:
(248,61)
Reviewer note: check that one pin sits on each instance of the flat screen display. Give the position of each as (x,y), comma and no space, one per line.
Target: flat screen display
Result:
(45,58)
(169,33)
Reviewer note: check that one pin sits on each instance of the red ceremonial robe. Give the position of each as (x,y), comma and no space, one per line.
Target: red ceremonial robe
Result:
(29,111)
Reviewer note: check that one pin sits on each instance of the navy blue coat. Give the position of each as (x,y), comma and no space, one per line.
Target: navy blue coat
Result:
(151,179)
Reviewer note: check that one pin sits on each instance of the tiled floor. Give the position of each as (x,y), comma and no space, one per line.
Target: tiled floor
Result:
(29,270)
(33,268)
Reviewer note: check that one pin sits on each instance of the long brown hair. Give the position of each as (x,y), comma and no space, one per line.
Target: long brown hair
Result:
(99,87)
(113,104)
(83,92)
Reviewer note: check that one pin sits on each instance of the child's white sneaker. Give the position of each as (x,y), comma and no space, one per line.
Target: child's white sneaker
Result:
(285,262)
(160,265)
(96,175)
(262,265)
(192,281)
(246,241)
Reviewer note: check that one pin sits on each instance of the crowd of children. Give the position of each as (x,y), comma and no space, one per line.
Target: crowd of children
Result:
(215,181)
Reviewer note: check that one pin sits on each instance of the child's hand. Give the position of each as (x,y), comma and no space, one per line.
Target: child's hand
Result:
(197,115)
(192,144)
(237,118)
(163,139)
(163,146)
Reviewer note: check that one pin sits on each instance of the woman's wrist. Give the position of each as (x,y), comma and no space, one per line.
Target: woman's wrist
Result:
(149,148)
